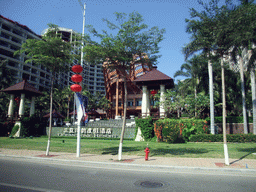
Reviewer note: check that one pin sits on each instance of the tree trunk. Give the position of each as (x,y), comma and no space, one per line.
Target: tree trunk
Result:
(211,97)
(197,82)
(50,122)
(243,94)
(252,72)
(68,107)
(224,113)
(124,121)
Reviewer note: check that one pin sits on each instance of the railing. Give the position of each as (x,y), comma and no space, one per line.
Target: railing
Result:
(154,115)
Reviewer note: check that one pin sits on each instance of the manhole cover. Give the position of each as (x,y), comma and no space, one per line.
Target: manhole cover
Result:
(149,184)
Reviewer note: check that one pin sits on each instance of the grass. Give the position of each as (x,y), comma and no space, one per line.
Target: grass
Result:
(103,147)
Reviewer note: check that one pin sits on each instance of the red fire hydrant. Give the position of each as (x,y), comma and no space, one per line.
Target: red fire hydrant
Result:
(147,151)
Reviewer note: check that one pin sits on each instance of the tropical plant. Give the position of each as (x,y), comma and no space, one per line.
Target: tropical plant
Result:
(52,52)
(118,51)
(211,34)
(195,71)
(243,24)
(6,79)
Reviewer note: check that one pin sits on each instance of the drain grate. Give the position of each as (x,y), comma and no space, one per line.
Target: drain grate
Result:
(149,184)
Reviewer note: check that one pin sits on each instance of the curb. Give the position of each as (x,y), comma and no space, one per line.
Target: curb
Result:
(138,165)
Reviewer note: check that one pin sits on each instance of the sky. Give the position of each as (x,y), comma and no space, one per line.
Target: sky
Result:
(167,14)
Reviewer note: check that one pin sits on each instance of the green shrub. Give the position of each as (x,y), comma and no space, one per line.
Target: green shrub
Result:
(6,127)
(179,130)
(15,130)
(146,126)
(168,130)
(32,126)
(239,138)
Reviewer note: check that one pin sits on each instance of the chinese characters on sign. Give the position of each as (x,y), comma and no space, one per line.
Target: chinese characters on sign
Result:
(88,132)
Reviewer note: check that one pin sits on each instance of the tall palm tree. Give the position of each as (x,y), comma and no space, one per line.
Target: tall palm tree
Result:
(202,40)
(209,33)
(195,71)
(243,40)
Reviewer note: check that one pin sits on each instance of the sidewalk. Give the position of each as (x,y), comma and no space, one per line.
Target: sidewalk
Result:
(200,163)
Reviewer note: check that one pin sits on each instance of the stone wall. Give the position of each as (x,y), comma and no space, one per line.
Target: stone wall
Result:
(234,128)
(102,128)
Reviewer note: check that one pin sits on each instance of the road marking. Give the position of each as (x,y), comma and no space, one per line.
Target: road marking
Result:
(157,171)
(177,170)
(30,188)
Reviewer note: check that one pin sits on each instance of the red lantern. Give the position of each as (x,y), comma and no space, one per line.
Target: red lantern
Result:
(76,78)
(76,88)
(77,68)
(153,92)
(17,99)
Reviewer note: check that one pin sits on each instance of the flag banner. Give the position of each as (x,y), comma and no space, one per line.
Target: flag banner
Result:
(81,104)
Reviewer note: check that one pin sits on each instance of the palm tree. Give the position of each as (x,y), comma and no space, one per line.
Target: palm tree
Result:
(195,71)
(202,40)
(244,26)
(209,34)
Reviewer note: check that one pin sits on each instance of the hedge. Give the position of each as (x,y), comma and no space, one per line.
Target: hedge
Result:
(239,138)
(14,130)
(179,130)
(32,126)
(146,126)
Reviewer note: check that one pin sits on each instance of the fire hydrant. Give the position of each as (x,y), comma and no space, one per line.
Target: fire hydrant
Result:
(147,151)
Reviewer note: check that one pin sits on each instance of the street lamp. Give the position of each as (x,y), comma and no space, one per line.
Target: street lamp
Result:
(83,7)
(82,55)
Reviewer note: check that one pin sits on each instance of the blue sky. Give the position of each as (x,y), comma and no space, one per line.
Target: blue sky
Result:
(168,14)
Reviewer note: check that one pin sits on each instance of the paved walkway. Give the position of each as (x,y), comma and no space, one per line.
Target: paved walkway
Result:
(210,163)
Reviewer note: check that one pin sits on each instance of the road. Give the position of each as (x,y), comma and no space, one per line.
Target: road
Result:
(38,174)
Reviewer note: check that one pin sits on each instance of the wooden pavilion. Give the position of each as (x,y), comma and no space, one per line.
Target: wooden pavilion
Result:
(18,93)
(141,78)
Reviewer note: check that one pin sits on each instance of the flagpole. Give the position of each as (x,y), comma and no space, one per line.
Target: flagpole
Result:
(78,145)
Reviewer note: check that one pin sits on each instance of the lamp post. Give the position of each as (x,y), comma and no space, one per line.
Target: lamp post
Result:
(83,10)
(81,73)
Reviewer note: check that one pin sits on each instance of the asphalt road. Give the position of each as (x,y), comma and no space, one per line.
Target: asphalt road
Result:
(37,174)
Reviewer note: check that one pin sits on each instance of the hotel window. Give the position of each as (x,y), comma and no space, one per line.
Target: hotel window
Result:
(138,102)
(130,103)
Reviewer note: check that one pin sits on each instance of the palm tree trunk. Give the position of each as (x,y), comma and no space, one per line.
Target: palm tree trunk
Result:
(224,113)
(252,72)
(211,97)
(124,121)
(68,107)
(243,94)
(50,122)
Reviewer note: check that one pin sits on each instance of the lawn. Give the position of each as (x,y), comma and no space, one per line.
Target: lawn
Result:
(96,146)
